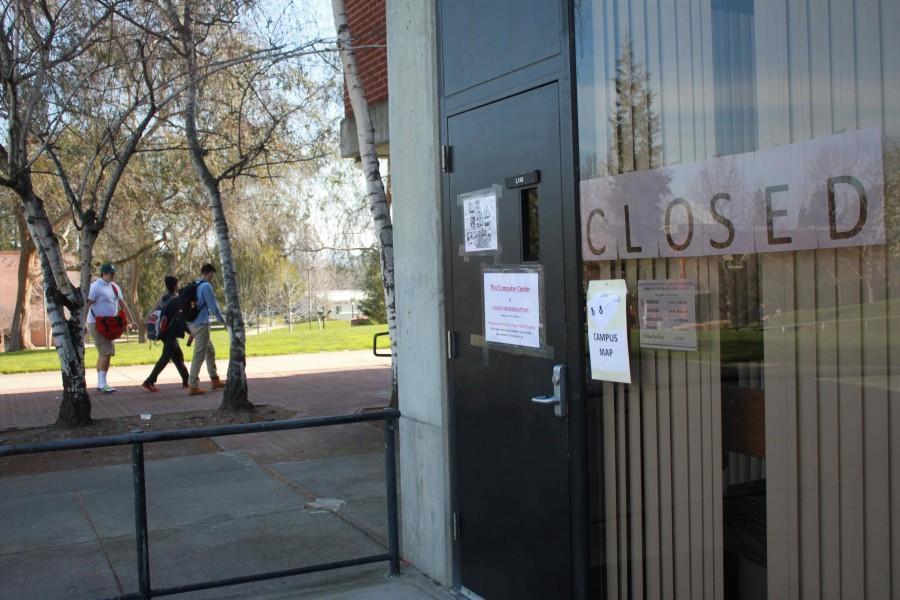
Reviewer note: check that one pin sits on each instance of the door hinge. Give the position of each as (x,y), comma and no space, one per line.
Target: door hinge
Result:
(446,159)
(451,344)
(456,527)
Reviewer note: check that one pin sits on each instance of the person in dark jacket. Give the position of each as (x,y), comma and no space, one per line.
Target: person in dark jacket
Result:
(171,349)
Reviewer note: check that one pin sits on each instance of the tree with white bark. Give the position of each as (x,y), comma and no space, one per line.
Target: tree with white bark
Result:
(291,289)
(82,89)
(241,92)
(104,131)
(46,59)
(375,192)
(15,236)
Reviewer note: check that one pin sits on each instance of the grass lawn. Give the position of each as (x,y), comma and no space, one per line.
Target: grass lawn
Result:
(337,335)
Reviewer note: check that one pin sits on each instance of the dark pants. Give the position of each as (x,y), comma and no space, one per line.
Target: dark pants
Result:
(171,351)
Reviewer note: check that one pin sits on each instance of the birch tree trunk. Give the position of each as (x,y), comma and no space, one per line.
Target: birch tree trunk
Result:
(60,295)
(376,197)
(20,332)
(235,394)
(43,50)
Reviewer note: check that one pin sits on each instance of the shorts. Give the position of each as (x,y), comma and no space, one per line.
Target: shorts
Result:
(104,346)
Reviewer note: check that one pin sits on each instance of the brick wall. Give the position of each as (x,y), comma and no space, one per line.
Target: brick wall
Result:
(367,25)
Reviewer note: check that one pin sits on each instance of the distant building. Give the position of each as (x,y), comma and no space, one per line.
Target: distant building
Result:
(336,304)
(9,280)
(343,304)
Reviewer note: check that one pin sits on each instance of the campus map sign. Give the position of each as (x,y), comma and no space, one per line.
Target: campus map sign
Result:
(823,193)
(607,318)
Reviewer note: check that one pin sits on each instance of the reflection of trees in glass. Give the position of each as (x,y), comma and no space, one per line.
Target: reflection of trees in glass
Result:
(738,297)
(634,125)
(624,204)
(866,255)
(825,166)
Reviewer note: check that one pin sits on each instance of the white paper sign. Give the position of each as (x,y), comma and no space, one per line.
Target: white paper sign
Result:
(480,221)
(608,330)
(512,308)
(666,310)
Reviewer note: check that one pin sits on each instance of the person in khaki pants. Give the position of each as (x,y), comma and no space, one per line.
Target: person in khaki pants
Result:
(199,328)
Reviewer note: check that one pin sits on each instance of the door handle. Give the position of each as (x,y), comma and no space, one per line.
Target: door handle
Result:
(558,400)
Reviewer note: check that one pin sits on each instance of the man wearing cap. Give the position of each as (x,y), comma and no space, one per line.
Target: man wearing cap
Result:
(171,350)
(104,300)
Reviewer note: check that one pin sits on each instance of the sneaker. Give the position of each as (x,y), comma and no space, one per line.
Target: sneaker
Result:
(185,384)
(149,387)
(106,389)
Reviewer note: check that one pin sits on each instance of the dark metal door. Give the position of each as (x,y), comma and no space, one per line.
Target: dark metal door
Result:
(511,454)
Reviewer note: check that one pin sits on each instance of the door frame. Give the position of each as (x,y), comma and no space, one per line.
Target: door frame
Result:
(559,69)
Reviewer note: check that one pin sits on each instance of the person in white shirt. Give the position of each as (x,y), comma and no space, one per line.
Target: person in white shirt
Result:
(104,300)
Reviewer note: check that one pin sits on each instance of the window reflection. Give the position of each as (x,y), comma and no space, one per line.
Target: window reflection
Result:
(750,148)
(634,122)
(734,76)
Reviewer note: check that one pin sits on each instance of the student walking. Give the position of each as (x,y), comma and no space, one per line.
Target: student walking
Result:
(170,315)
(201,300)
(105,303)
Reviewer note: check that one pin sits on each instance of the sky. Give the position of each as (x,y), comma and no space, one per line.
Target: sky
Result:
(317,16)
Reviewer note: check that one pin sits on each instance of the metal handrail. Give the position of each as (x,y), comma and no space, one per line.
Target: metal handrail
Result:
(137,440)
(375,344)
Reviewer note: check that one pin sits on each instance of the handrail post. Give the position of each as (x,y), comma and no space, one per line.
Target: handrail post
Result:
(390,472)
(140,519)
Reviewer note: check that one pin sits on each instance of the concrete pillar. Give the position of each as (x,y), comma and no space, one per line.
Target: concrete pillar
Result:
(416,182)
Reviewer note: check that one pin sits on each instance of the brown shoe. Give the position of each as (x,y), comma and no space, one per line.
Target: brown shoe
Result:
(196,391)
(216,383)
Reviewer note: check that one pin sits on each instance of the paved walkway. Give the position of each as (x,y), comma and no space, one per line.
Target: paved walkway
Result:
(213,516)
(245,509)
(305,384)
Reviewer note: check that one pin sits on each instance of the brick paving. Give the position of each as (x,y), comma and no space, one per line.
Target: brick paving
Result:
(306,385)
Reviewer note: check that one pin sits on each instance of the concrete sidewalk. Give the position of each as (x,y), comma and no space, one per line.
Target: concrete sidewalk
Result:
(242,509)
(71,534)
